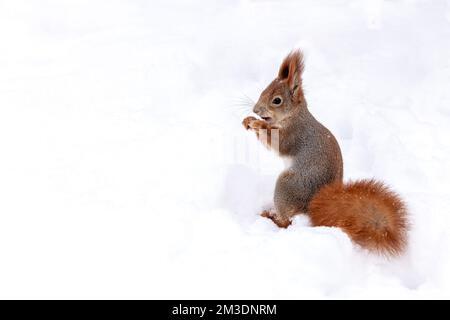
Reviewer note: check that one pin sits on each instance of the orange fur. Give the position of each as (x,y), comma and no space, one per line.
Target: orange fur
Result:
(371,214)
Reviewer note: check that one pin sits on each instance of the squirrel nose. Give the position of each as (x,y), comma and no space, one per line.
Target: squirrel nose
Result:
(257,109)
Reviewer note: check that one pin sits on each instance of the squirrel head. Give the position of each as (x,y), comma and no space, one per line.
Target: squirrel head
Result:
(283,98)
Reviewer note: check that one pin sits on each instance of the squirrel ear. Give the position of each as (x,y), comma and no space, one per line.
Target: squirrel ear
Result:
(291,69)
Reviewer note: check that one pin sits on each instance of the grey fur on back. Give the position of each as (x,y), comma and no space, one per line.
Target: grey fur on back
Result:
(316,160)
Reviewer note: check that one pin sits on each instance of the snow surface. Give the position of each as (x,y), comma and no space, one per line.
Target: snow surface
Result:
(125,173)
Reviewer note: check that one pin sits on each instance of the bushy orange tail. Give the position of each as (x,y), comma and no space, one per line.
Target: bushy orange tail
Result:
(371,214)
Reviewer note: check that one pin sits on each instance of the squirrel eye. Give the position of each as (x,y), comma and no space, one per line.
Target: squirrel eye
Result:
(276,101)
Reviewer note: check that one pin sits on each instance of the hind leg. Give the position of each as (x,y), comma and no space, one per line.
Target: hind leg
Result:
(280,221)
(291,197)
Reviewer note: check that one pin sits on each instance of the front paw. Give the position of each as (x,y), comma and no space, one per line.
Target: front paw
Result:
(254,124)
(247,121)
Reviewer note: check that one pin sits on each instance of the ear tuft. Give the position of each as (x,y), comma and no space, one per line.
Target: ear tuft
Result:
(292,68)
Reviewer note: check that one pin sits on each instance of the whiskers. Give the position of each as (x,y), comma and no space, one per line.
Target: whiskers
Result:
(242,106)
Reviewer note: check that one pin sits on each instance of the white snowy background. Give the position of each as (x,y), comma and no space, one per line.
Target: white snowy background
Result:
(125,172)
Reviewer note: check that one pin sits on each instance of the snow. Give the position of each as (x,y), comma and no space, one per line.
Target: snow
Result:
(125,172)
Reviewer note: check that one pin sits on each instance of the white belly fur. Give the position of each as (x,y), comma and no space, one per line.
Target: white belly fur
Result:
(287,162)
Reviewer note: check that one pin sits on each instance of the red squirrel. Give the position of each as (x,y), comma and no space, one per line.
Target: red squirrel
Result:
(371,214)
